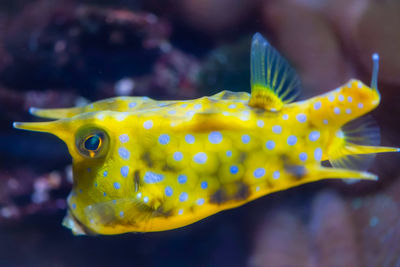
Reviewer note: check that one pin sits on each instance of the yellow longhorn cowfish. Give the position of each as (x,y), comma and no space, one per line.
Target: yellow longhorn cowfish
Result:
(141,165)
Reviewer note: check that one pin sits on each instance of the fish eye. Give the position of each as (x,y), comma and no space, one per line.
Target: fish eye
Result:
(92,142)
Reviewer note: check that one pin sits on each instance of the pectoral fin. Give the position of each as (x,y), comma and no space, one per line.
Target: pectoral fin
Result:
(127,213)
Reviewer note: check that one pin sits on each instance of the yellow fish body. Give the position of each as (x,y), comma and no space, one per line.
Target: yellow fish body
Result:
(141,165)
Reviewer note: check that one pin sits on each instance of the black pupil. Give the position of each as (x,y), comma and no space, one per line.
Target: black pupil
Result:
(92,143)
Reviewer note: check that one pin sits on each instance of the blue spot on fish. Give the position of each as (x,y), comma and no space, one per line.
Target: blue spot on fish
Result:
(182,179)
(190,112)
(292,140)
(123,138)
(318,154)
(301,117)
(148,124)
(124,153)
(277,129)
(245,139)
(259,172)
(178,156)
(200,158)
(168,191)
(215,137)
(163,139)
(189,139)
(314,136)
(197,106)
(152,177)
(303,156)
(117,185)
(270,144)
(234,169)
(124,171)
(183,197)
(200,201)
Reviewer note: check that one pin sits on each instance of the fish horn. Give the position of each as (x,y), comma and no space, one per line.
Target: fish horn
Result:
(375,69)
(55,113)
(47,127)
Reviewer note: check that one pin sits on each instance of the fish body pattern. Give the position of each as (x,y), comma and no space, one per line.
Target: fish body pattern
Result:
(142,165)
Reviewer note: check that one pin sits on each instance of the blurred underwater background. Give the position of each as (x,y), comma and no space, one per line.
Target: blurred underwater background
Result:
(64,53)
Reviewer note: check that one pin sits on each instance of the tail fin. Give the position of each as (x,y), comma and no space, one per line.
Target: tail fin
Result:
(356,144)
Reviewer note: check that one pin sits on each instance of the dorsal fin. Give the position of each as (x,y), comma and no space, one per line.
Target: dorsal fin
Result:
(273,80)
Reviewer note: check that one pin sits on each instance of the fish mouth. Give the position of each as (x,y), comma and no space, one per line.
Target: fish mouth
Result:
(77,228)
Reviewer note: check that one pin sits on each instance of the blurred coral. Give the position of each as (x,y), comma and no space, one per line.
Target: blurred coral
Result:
(66,45)
(351,231)
(23,193)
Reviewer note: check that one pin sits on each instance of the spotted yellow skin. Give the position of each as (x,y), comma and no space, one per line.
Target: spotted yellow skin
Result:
(167,164)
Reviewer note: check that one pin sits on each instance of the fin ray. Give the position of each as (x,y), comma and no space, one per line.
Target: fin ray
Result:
(361,143)
(273,80)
